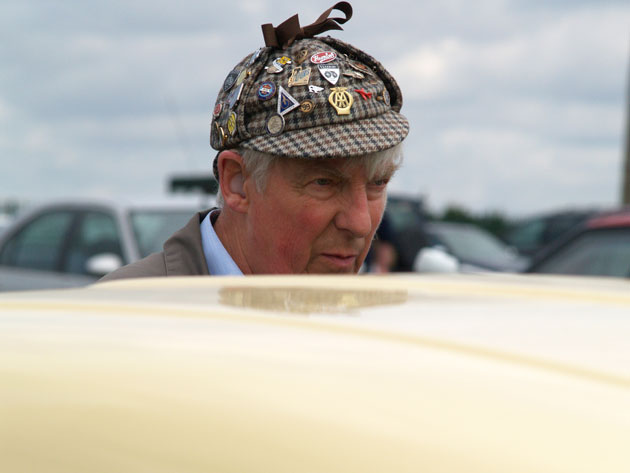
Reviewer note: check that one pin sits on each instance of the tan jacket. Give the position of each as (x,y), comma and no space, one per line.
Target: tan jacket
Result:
(182,256)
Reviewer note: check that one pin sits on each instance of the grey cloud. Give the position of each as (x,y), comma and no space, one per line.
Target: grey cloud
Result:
(503,96)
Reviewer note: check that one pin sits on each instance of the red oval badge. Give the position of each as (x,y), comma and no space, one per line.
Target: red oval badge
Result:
(323,57)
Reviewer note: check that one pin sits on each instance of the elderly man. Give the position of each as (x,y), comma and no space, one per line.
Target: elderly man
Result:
(308,133)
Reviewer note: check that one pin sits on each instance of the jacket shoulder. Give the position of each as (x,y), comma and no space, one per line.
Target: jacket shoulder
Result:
(182,256)
(152,266)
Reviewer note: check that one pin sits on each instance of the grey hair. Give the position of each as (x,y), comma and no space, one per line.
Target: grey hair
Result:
(257,165)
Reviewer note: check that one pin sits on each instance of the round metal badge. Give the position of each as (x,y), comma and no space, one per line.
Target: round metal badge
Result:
(275,124)
(217,109)
(266,90)
(307,106)
(230,80)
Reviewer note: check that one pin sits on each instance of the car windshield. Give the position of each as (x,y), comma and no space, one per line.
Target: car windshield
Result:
(604,252)
(470,243)
(153,227)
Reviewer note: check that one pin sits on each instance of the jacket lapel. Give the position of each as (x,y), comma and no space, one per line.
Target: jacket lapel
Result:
(183,252)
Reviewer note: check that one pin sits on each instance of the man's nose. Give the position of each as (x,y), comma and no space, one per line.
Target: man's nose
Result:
(354,213)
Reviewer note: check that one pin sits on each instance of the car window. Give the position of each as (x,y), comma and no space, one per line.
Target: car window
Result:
(472,244)
(527,234)
(152,228)
(39,244)
(96,233)
(604,252)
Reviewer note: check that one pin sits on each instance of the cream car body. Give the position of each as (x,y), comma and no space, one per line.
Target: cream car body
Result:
(488,373)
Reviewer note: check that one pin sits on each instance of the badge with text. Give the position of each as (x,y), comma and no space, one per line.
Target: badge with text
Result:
(266,90)
(330,72)
(323,57)
(286,102)
(307,106)
(300,76)
(341,100)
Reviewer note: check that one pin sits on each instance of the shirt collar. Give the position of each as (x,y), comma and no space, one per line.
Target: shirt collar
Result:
(219,261)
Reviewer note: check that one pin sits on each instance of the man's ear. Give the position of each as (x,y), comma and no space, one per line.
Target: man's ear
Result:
(232,180)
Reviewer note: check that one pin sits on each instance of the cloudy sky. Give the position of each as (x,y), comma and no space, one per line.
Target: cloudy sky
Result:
(515,106)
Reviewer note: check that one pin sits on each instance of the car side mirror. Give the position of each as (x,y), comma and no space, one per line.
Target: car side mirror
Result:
(102,264)
(435,260)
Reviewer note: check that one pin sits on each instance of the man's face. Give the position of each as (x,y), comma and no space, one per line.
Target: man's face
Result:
(314,216)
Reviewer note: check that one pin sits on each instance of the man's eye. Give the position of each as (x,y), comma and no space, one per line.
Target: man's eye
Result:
(322,181)
(380,182)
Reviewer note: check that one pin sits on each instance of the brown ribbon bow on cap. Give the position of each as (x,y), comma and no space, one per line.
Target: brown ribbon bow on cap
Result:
(288,31)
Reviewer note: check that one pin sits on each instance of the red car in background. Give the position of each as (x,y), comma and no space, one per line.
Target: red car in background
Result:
(600,246)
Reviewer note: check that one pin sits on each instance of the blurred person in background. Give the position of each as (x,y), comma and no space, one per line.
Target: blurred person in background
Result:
(382,256)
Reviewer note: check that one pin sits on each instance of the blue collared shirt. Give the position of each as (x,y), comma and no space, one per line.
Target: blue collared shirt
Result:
(219,261)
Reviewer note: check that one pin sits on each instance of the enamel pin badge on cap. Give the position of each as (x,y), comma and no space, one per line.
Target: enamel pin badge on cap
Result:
(286,102)
(341,100)
(330,72)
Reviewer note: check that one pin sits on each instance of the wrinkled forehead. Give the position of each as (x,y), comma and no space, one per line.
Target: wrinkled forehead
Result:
(372,165)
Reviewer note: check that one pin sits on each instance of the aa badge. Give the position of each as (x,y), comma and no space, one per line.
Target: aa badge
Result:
(341,99)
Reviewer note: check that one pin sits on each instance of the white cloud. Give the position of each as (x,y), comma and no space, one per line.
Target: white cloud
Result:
(587,48)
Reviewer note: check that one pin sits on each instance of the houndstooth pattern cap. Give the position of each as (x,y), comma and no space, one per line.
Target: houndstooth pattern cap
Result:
(309,98)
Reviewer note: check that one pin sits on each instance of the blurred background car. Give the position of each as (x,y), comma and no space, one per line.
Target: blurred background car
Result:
(600,246)
(530,235)
(69,244)
(5,222)
(445,246)
(407,217)
(475,248)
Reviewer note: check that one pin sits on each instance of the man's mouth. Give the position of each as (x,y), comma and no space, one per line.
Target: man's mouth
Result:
(341,260)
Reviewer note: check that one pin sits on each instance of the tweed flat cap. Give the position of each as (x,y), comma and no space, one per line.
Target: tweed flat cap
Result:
(309,98)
